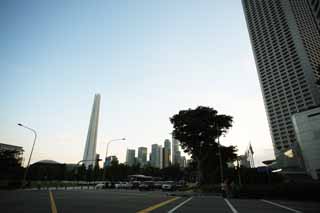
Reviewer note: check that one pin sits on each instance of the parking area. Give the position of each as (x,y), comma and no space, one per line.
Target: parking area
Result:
(135,201)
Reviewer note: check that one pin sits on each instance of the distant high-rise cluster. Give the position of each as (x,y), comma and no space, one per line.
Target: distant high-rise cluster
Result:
(285,37)
(159,157)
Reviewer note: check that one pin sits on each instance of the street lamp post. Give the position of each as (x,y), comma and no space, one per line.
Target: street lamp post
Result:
(104,166)
(77,166)
(34,141)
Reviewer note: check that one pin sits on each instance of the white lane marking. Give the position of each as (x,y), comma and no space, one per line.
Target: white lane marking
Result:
(178,206)
(281,206)
(230,206)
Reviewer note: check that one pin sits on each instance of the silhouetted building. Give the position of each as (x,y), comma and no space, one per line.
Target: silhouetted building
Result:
(130,158)
(183,162)
(109,159)
(286,42)
(315,6)
(18,151)
(156,156)
(166,153)
(46,170)
(142,155)
(175,151)
(178,158)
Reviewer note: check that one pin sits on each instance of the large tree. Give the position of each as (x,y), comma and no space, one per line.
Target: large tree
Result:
(198,130)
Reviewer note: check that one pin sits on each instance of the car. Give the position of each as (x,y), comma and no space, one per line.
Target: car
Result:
(127,185)
(123,185)
(168,186)
(135,184)
(146,185)
(109,185)
(100,186)
(119,185)
(158,184)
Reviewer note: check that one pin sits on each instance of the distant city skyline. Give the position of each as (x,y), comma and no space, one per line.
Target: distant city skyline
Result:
(159,156)
(147,59)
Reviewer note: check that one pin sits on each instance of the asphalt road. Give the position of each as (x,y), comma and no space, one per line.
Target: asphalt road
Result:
(134,201)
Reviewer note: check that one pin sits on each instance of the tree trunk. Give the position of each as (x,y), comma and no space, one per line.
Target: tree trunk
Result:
(200,172)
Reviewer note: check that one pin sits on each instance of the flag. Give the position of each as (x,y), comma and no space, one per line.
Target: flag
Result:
(250,148)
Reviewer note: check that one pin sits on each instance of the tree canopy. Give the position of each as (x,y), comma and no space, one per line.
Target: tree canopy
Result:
(198,130)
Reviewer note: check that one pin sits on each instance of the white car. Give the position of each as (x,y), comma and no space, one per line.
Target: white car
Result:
(168,186)
(99,186)
(123,185)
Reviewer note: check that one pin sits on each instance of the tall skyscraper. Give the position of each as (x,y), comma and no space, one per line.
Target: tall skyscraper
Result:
(166,153)
(183,162)
(156,156)
(286,44)
(89,155)
(131,157)
(175,151)
(315,6)
(142,155)
(160,157)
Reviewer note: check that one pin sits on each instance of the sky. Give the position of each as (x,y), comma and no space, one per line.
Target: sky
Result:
(147,59)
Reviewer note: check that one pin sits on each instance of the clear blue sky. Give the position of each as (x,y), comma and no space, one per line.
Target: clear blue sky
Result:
(147,59)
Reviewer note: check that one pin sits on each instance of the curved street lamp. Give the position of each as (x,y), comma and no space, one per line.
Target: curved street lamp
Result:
(104,166)
(119,139)
(34,141)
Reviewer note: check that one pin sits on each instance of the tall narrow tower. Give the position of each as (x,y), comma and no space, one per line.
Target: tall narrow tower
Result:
(89,155)
(175,151)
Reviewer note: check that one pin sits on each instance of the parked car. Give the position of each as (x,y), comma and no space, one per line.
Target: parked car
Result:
(158,184)
(123,185)
(147,185)
(169,186)
(109,185)
(100,186)
(127,185)
(180,184)
(135,184)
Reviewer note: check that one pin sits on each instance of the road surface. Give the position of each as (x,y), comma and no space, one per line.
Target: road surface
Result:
(124,201)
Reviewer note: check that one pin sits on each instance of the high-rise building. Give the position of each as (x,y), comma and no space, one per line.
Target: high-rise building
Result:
(156,156)
(183,162)
(89,155)
(307,128)
(131,157)
(286,42)
(160,163)
(175,151)
(109,159)
(166,153)
(315,6)
(142,155)
(17,150)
